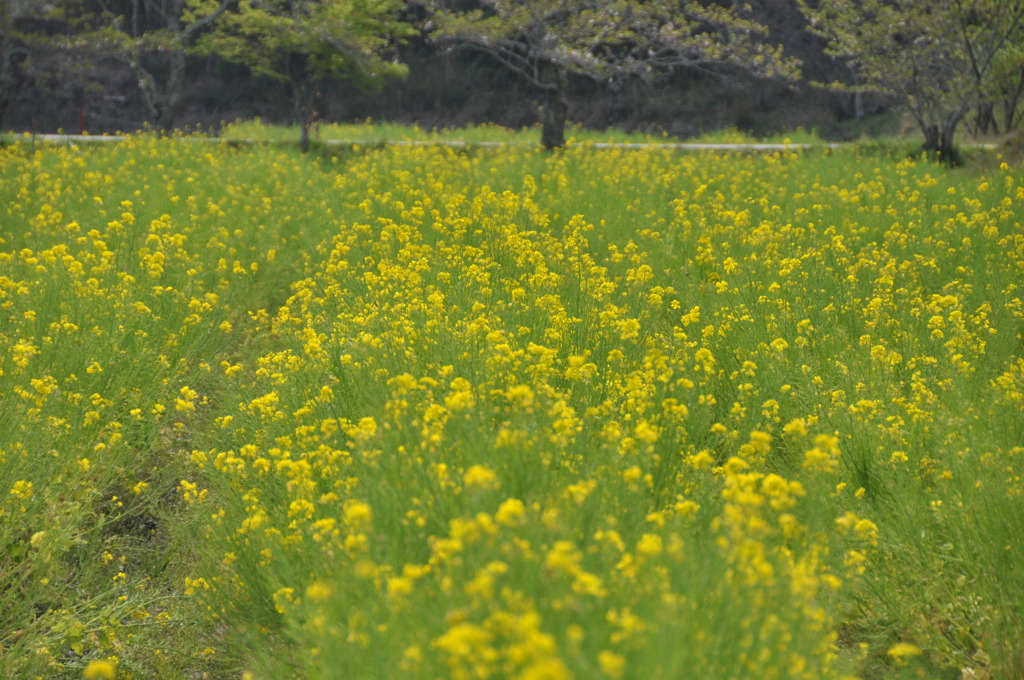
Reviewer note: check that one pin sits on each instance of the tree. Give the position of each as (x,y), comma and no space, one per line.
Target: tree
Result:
(1004,89)
(938,58)
(544,40)
(153,39)
(303,42)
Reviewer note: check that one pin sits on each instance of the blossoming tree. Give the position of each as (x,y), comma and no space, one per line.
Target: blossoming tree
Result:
(544,40)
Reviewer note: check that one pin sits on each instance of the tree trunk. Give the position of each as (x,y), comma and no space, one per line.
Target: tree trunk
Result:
(147,85)
(858,95)
(1010,105)
(938,141)
(552,134)
(170,101)
(986,119)
(302,101)
(166,103)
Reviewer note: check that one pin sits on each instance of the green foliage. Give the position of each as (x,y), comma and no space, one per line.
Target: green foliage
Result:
(939,59)
(335,37)
(302,42)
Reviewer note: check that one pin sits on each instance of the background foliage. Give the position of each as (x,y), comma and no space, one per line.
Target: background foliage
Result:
(127,81)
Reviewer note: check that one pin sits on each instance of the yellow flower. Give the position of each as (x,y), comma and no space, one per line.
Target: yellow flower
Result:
(613,665)
(99,670)
(21,489)
(480,476)
(649,545)
(796,428)
(399,585)
(358,515)
(904,649)
(510,512)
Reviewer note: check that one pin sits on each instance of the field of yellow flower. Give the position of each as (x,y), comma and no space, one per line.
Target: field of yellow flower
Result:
(500,413)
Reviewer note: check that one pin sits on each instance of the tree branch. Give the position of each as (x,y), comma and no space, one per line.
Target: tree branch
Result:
(967,40)
(514,61)
(209,19)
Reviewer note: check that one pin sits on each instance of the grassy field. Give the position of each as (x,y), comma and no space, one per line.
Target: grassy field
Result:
(500,413)
(377,132)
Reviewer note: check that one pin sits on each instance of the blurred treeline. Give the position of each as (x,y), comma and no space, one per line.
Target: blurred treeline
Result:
(48,87)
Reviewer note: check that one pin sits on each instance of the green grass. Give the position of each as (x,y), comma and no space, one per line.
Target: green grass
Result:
(378,132)
(374,132)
